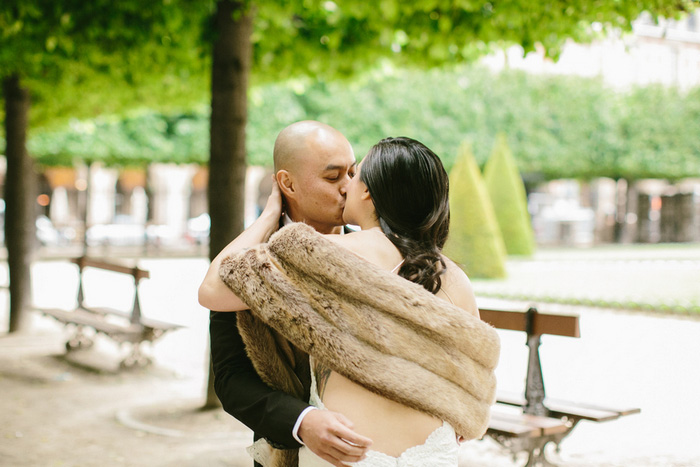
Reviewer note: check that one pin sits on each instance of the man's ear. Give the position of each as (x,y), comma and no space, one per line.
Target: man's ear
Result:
(286,183)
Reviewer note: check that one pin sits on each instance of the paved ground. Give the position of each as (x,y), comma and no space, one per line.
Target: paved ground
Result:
(78,411)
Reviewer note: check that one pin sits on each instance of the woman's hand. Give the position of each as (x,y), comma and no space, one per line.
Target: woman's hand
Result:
(272,212)
(274,202)
(213,293)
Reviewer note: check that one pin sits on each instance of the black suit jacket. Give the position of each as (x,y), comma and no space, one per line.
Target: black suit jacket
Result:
(270,414)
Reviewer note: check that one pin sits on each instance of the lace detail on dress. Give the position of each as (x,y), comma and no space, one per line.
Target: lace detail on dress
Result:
(260,451)
(314,398)
(439,450)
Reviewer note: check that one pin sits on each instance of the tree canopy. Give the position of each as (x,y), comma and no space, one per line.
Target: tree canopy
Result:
(84,59)
(81,60)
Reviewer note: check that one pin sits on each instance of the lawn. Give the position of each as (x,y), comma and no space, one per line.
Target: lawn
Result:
(664,278)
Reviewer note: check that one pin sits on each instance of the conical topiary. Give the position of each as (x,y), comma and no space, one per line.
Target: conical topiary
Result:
(507,193)
(475,242)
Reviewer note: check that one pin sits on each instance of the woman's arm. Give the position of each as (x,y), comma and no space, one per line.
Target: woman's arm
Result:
(213,293)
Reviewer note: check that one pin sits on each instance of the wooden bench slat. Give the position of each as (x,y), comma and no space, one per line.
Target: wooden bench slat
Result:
(549,426)
(546,425)
(557,325)
(109,266)
(156,324)
(562,408)
(586,411)
(84,318)
(512,428)
(509,398)
(524,425)
(581,413)
(585,405)
(147,322)
(103,310)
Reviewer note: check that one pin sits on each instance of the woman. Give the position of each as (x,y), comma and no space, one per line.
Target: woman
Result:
(399,199)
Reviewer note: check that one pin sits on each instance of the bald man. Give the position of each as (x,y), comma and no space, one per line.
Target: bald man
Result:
(313,165)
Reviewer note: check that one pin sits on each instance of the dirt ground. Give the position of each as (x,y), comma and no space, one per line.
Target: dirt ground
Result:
(76,411)
(80,411)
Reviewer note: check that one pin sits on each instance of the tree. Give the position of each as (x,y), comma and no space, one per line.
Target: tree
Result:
(475,241)
(20,204)
(55,46)
(507,193)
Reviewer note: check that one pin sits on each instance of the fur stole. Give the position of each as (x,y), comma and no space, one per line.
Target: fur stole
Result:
(375,328)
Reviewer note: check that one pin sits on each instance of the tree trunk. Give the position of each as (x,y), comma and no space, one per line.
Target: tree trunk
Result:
(229,114)
(20,196)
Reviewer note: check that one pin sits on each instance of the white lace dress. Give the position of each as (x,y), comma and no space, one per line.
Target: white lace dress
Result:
(439,450)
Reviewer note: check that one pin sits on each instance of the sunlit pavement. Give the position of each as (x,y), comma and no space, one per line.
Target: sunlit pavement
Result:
(55,412)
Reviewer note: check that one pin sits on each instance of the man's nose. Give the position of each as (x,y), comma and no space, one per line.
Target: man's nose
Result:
(344,185)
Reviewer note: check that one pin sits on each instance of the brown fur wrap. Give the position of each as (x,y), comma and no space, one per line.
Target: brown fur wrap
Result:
(378,329)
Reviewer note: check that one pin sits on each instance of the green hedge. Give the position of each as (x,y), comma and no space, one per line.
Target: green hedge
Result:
(557,127)
(507,192)
(475,241)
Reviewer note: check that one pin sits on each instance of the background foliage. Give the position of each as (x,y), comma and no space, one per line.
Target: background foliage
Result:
(475,241)
(556,126)
(507,193)
(84,59)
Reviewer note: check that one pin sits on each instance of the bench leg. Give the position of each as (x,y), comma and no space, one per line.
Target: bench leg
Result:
(79,340)
(557,439)
(534,447)
(135,358)
(538,456)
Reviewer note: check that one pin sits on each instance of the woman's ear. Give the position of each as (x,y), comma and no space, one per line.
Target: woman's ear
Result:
(286,183)
(365,196)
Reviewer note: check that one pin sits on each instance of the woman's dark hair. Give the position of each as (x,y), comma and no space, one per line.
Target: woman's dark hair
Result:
(409,187)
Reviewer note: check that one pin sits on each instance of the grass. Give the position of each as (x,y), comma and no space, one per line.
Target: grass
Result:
(658,278)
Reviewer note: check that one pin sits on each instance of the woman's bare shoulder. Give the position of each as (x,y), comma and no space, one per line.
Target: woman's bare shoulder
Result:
(354,242)
(459,288)
(351,240)
(370,246)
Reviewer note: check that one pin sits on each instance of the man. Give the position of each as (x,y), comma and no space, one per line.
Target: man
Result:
(313,165)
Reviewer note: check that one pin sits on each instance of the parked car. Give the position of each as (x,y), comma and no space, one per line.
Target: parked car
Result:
(123,232)
(49,235)
(198,229)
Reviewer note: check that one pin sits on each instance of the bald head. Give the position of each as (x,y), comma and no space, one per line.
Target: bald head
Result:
(302,140)
(314,163)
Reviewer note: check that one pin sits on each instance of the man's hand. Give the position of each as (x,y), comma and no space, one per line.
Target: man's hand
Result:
(329,435)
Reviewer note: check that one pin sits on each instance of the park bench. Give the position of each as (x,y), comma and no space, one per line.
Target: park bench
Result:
(121,326)
(528,423)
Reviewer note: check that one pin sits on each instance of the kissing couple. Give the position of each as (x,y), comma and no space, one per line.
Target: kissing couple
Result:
(340,347)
